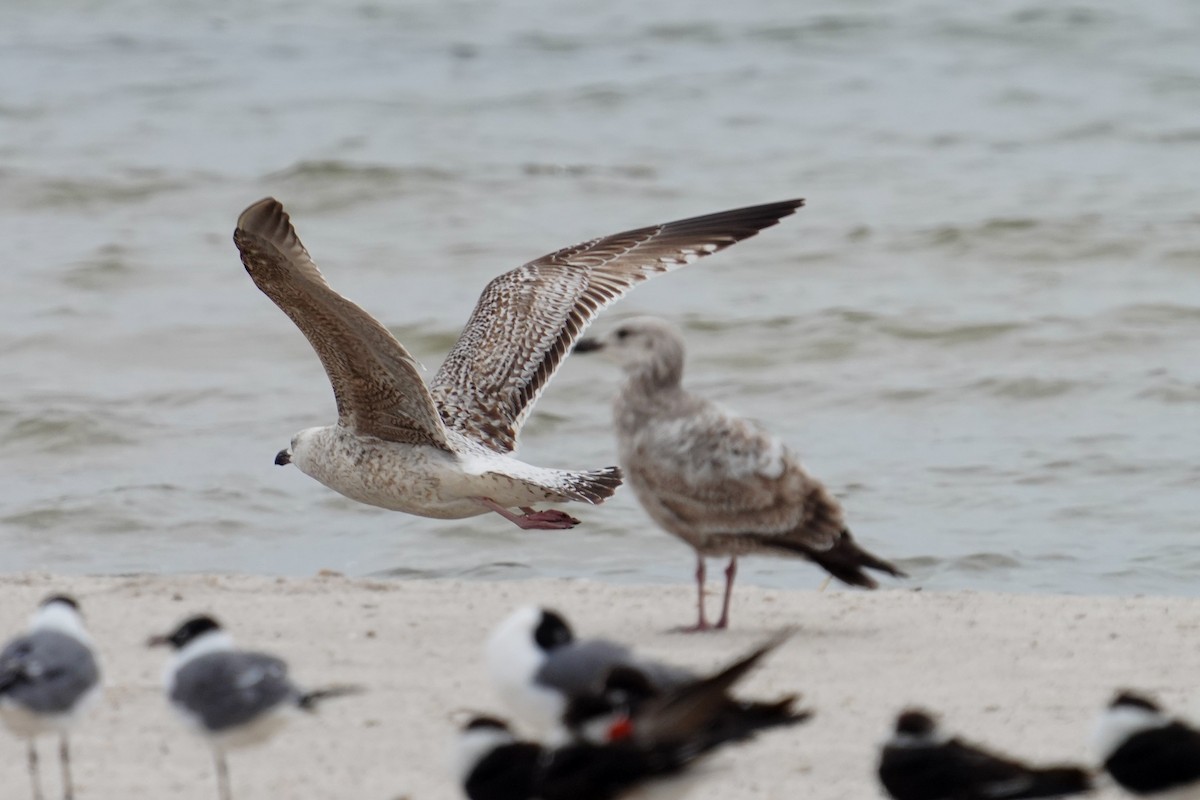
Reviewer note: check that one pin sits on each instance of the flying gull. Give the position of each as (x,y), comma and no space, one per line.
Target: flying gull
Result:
(1147,752)
(233,698)
(920,762)
(48,678)
(719,482)
(446,450)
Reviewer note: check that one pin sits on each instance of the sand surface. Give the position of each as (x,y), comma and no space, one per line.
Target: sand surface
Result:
(1025,673)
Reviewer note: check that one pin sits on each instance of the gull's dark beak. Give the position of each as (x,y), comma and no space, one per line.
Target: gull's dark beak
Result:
(587,345)
(158,641)
(283,458)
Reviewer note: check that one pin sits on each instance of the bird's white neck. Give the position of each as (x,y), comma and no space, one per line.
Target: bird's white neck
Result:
(61,618)
(213,641)
(1118,723)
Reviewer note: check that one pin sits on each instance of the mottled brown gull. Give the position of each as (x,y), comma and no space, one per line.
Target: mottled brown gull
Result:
(445,450)
(719,482)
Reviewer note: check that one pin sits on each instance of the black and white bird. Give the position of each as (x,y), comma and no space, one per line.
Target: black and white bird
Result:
(566,688)
(643,747)
(493,764)
(629,705)
(233,698)
(537,666)
(48,678)
(719,482)
(1146,751)
(919,762)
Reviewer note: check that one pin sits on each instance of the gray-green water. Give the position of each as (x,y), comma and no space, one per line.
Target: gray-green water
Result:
(983,332)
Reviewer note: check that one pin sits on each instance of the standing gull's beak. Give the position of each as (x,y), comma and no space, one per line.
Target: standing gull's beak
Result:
(283,458)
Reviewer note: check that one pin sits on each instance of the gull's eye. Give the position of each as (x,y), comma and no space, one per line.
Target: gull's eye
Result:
(622,333)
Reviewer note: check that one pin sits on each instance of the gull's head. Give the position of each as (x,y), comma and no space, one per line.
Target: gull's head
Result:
(519,645)
(477,739)
(1127,714)
(198,632)
(530,629)
(301,448)
(641,345)
(60,612)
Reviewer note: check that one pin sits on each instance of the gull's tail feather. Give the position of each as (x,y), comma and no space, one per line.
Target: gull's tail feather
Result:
(845,561)
(592,487)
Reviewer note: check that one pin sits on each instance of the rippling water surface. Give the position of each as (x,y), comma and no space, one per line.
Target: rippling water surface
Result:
(983,332)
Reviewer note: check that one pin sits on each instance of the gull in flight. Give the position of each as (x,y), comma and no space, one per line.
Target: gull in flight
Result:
(718,481)
(445,450)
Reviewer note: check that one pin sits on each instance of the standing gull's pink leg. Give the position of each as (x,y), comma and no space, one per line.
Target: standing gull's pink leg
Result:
(730,574)
(702,623)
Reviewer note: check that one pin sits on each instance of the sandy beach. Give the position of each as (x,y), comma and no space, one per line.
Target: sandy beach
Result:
(1026,673)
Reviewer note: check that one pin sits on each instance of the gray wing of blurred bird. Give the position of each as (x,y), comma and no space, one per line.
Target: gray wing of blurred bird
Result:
(705,706)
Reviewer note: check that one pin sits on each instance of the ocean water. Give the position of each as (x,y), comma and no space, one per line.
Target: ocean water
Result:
(983,332)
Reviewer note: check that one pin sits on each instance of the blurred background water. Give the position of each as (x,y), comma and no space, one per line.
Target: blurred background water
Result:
(982,332)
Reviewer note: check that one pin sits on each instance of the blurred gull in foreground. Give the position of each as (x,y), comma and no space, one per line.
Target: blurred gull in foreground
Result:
(1147,752)
(920,762)
(633,743)
(234,698)
(719,482)
(48,677)
(446,450)
(564,687)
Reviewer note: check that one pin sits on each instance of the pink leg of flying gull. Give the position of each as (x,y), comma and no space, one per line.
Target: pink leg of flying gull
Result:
(549,520)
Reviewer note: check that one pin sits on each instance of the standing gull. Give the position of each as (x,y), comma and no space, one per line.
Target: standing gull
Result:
(48,677)
(445,450)
(719,482)
(234,698)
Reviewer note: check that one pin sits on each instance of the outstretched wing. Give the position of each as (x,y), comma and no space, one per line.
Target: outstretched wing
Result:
(528,319)
(378,389)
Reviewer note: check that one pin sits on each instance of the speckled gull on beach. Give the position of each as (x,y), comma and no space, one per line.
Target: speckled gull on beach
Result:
(445,450)
(717,481)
